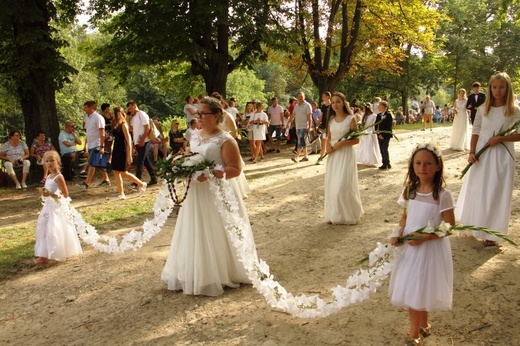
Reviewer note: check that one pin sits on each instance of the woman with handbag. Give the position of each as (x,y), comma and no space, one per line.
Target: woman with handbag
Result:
(121,154)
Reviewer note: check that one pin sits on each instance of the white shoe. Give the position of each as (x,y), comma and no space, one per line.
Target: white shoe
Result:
(24,185)
(120,198)
(142,189)
(18,187)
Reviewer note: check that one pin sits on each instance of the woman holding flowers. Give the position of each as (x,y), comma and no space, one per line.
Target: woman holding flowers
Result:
(423,277)
(342,198)
(202,260)
(485,197)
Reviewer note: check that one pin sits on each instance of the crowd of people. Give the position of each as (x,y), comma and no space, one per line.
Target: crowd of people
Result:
(202,259)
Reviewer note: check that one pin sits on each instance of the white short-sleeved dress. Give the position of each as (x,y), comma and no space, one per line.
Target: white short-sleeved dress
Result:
(56,236)
(342,197)
(423,277)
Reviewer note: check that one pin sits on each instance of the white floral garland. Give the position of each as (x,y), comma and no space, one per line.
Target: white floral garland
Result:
(357,288)
(132,240)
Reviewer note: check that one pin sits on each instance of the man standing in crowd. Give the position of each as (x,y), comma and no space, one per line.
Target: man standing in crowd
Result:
(275,115)
(302,116)
(141,129)
(68,151)
(475,100)
(385,120)
(95,127)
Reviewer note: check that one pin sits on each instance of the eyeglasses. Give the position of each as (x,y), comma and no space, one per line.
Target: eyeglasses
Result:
(203,114)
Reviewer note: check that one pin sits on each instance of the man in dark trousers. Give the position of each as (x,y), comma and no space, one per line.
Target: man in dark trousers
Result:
(385,120)
(475,100)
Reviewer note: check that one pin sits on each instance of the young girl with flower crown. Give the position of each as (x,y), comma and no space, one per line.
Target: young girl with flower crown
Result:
(423,277)
(485,197)
(56,236)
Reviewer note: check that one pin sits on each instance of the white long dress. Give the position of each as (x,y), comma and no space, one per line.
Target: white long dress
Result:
(367,150)
(485,196)
(460,136)
(241,179)
(423,276)
(56,236)
(342,198)
(202,260)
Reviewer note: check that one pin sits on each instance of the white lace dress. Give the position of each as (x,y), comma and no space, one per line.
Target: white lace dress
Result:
(485,196)
(423,277)
(460,136)
(367,150)
(202,260)
(56,236)
(342,198)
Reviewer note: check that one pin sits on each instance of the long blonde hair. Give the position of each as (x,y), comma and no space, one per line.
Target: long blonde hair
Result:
(510,97)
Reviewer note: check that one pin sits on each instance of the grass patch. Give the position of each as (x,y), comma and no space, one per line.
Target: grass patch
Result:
(129,212)
(17,245)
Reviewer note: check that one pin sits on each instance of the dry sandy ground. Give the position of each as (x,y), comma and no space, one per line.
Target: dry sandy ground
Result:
(100,299)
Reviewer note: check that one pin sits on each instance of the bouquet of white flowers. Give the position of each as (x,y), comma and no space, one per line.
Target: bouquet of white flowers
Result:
(178,171)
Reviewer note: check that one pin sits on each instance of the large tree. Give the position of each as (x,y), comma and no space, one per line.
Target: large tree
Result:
(30,59)
(216,37)
(336,36)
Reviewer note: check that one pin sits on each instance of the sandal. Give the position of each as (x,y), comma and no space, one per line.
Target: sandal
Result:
(39,261)
(413,341)
(43,181)
(489,243)
(426,331)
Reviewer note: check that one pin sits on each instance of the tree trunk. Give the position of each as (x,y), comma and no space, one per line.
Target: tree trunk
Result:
(36,84)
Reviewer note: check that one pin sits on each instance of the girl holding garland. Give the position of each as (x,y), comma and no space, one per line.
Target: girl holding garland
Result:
(56,236)
(423,277)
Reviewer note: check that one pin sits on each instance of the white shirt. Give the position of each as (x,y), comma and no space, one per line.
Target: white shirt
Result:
(190,133)
(189,117)
(93,123)
(139,120)
(233,111)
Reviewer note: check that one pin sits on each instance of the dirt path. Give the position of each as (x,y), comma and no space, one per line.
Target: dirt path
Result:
(100,299)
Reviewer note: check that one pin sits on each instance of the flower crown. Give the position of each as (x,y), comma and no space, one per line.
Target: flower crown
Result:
(427,146)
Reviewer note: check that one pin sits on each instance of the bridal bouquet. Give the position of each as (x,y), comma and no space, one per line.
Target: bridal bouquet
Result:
(511,130)
(178,171)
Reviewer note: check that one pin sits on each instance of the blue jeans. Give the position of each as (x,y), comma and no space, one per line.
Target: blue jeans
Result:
(144,159)
(301,138)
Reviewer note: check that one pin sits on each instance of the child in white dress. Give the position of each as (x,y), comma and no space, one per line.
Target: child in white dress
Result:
(56,236)
(423,277)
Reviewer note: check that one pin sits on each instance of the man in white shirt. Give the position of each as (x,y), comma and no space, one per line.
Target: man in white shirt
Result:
(302,116)
(275,115)
(429,109)
(189,109)
(140,130)
(95,127)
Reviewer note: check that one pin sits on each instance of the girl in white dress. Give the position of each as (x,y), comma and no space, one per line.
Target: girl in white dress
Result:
(56,236)
(202,259)
(423,277)
(485,197)
(368,152)
(259,122)
(460,130)
(342,198)
(248,114)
